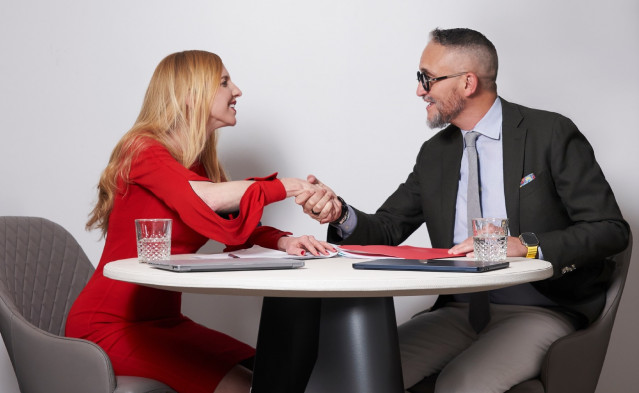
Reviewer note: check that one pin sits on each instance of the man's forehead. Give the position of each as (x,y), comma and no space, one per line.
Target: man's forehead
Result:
(432,57)
(437,58)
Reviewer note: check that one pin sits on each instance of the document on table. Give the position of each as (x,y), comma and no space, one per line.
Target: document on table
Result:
(347,251)
(261,252)
(403,252)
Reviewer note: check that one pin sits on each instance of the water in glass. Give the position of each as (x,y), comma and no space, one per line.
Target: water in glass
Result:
(490,247)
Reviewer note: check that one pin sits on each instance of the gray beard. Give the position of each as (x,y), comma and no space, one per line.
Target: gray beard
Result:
(437,122)
(454,106)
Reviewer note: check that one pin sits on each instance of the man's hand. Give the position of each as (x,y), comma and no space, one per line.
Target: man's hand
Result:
(321,205)
(515,248)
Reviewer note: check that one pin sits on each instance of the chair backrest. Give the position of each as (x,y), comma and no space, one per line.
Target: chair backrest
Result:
(42,271)
(573,363)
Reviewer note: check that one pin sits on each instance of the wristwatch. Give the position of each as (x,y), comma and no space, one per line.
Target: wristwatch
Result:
(344,215)
(530,240)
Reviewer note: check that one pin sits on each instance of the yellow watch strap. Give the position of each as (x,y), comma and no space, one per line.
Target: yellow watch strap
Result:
(532,251)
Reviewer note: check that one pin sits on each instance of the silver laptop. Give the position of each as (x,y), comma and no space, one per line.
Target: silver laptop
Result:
(230,264)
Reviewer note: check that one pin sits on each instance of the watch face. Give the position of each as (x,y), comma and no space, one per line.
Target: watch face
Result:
(529,238)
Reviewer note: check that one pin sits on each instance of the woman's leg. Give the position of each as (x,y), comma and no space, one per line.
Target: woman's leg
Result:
(238,380)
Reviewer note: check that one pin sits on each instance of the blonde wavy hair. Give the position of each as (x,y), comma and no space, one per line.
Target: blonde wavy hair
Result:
(175,112)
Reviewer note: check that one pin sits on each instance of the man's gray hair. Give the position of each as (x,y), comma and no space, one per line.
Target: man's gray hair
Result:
(473,42)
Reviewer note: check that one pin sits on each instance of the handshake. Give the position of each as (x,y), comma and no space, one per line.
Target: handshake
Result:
(317,199)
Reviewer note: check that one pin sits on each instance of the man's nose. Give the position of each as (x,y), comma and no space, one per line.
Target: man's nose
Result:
(420,90)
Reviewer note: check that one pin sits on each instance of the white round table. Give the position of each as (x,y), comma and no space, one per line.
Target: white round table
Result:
(331,277)
(327,327)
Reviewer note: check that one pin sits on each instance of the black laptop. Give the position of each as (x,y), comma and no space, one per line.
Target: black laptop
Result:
(438,265)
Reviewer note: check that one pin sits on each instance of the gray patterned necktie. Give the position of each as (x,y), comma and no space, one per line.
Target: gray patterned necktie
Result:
(479,306)
(473,208)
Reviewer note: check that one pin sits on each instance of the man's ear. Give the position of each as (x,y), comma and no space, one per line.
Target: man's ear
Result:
(471,83)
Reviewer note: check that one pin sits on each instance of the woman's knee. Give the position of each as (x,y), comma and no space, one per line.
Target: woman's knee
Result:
(237,380)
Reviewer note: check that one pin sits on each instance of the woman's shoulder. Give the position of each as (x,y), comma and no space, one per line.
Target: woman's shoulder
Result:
(147,148)
(148,143)
(147,154)
(153,156)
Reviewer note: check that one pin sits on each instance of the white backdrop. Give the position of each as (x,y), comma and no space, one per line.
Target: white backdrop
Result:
(329,88)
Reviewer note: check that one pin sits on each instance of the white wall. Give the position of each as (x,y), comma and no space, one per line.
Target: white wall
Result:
(329,88)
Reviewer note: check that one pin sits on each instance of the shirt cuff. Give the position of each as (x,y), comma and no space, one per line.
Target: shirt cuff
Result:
(348,227)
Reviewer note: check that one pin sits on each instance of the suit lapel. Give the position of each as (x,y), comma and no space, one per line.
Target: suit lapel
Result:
(451,153)
(514,142)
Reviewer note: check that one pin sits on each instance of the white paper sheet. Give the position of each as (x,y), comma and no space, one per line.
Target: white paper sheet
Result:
(261,252)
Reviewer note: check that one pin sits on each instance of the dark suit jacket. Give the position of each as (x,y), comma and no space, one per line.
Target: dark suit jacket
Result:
(569,205)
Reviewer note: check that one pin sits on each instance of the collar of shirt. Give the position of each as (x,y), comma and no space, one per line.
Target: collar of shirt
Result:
(490,124)
(491,172)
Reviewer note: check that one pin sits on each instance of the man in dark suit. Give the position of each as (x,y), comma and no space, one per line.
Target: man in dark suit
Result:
(536,169)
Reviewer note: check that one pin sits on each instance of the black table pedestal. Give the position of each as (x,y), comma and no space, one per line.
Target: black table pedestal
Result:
(357,351)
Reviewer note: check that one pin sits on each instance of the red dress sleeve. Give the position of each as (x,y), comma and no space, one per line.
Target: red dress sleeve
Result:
(264,236)
(161,174)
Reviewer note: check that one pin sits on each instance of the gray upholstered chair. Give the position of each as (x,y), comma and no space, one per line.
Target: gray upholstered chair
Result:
(573,363)
(42,271)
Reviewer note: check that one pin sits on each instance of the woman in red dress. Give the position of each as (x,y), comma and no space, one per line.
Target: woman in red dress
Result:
(166,166)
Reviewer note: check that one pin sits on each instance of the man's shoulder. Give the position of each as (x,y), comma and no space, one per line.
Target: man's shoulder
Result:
(443,141)
(539,123)
(525,113)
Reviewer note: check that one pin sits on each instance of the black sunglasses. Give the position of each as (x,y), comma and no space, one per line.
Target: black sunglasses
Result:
(426,81)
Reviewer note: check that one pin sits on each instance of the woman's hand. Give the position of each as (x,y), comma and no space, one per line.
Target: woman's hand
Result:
(303,244)
(321,205)
(295,187)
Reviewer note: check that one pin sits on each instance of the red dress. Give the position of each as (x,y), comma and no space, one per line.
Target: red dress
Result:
(142,329)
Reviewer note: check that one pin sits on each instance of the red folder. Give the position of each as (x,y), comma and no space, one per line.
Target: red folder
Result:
(406,252)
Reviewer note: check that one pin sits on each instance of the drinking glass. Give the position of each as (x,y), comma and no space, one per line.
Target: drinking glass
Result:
(154,239)
(490,238)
